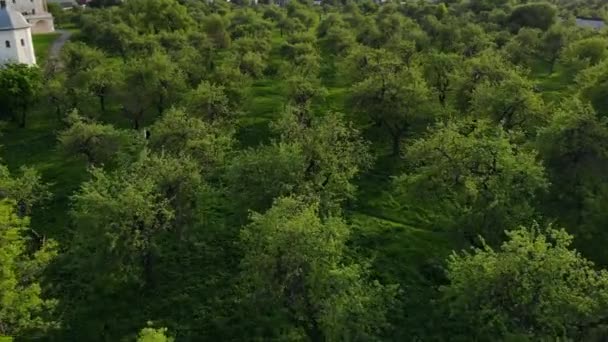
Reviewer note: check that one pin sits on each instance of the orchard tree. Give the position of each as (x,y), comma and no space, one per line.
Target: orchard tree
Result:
(208,144)
(154,335)
(553,43)
(255,177)
(154,16)
(512,103)
(296,277)
(302,90)
(539,15)
(215,28)
(474,179)
(438,70)
(149,83)
(592,84)
(574,147)
(398,101)
(98,143)
(585,53)
(334,154)
(24,312)
(101,81)
(488,68)
(525,48)
(314,158)
(209,102)
(21,87)
(121,214)
(534,287)
(26,189)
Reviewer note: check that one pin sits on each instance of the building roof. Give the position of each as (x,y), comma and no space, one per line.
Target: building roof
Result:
(596,24)
(12,20)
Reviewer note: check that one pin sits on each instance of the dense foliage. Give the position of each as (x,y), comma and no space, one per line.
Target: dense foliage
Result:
(345,171)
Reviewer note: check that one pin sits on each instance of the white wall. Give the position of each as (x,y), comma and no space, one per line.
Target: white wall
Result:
(17,53)
(26,6)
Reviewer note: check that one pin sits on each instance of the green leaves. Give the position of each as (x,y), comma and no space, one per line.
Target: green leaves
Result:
(534,286)
(294,264)
(23,310)
(473,178)
(21,85)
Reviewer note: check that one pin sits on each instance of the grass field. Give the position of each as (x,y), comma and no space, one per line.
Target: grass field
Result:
(42,45)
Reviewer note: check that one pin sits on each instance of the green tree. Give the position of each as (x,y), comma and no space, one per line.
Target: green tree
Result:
(147,83)
(438,70)
(585,53)
(512,103)
(525,47)
(154,335)
(593,87)
(24,312)
(574,147)
(21,86)
(101,81)
(154,16)
(208,144)
(533,288)
(98,143)
(209,102)
(553,42)
(398,100)
(215,28)
(121,214)
(474,179)
(539,15)
(315,158)
(26,189)
(295,273)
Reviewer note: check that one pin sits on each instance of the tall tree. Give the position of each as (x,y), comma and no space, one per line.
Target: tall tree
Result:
(149,83)
(397,100)
(21,86)
(574,147)
(295,274)
(208,144)
(99,143)
(474,179)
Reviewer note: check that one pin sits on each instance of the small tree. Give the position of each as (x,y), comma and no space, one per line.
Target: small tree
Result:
(154,335)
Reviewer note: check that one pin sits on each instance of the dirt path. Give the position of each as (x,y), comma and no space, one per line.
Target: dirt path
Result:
(53,64)
(59,43)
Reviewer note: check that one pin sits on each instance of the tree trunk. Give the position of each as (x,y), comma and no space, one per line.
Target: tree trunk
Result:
(102,103)
(23,117)
(147,263)
(396,145)
(552,65)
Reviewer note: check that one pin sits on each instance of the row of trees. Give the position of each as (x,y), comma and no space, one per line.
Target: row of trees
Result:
(218,219)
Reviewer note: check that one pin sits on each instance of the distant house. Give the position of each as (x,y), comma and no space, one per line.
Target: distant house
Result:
(596,24)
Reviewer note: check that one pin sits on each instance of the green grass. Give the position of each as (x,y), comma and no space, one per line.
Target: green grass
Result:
(42,45)
(36,146)
(552,84)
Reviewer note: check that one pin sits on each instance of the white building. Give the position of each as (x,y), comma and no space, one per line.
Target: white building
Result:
(35,12)
(16,44)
